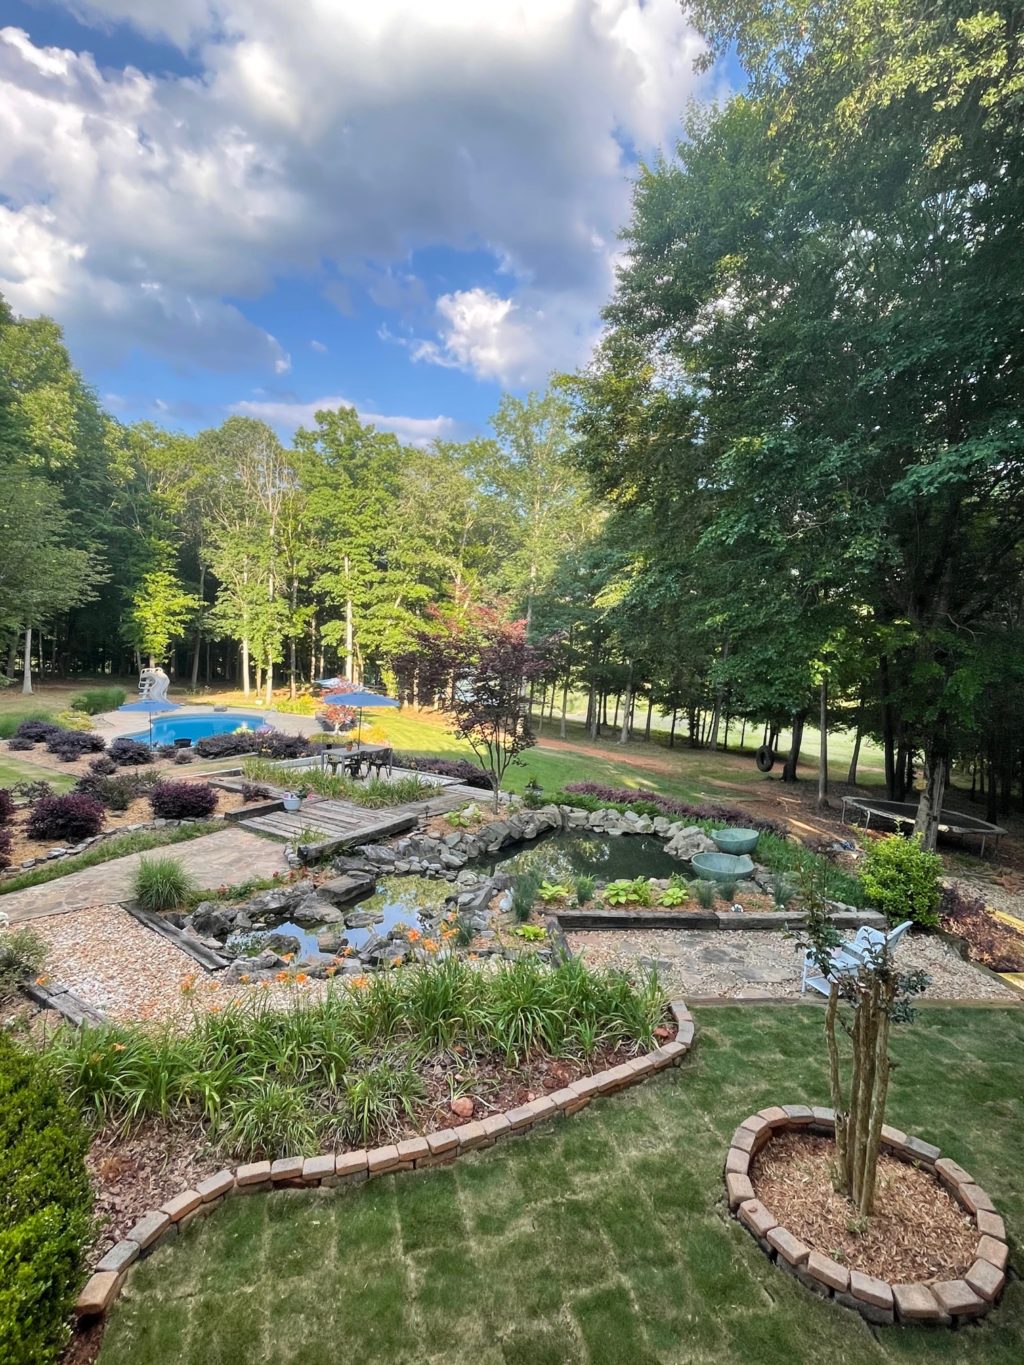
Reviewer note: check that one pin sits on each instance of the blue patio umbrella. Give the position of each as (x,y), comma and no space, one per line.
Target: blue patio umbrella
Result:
(150,706)
(362,701)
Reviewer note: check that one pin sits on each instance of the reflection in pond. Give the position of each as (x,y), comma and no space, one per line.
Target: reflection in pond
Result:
(560,857)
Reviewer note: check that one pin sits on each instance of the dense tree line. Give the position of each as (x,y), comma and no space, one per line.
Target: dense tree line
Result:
(789,488)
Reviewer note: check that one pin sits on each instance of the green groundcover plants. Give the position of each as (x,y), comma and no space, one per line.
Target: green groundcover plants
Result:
(348,1067)
(45,1208)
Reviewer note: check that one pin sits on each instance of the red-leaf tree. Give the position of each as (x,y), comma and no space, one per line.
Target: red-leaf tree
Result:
(478,670)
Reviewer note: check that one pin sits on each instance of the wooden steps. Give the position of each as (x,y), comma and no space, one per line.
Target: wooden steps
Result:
(343,823)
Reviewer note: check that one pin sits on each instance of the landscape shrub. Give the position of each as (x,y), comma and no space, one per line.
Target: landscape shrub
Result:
(66,818)
(903,880)
(181,757)
(45,1212)
(162,884)
(23,956)
(183,800)
(276,745)
(36,728)
(33,790)
(20,743)
(6,806)
(116,792)
(68,719)
(130,753)
(226,745)
(69,745)
(11,721)
(103,766)
(95,700)
(6,847)
(460,768)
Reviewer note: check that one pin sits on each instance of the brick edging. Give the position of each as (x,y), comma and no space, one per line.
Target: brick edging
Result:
(349,1168)
(947,1302)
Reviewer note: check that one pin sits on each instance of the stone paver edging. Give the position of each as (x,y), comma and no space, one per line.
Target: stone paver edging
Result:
(350,1168)
(947,1302)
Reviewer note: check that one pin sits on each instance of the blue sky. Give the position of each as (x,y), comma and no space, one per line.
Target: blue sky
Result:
(241,205)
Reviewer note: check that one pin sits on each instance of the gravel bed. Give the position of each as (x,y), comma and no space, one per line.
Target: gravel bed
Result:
(762,964)
(109,960)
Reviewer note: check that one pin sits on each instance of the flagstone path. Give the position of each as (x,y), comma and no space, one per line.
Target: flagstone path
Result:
(223,859)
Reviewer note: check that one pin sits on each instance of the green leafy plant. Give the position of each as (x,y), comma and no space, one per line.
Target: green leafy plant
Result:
(532,933)
(45,1213)
(674,895)
(585,887)
(95,700)
(727,890)
(629,892)
(23,957)
(533,795)
(904,880)
(706,893)
(162,884)
(552,891)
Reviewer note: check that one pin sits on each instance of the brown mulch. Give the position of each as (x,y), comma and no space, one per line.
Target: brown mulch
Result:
(917,1233)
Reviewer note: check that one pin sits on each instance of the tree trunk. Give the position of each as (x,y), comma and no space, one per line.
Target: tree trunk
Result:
(851,776)
(270,681)
(647,725)
(789,771)
(26,673)
(245,666)
(823,745)
(628,708)
(349,634)
(672,728)
(565,702)
(929,806)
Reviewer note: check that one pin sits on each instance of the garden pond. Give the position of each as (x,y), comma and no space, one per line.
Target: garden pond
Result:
(563,856)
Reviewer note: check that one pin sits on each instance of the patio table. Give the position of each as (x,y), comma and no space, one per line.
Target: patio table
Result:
(353,759)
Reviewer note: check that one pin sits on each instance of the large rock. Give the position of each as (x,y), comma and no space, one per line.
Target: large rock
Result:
(348,887)
(689,841)
(212,919)
(282,944)
(316,910)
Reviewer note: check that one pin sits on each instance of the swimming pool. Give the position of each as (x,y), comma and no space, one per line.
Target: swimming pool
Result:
(166,729)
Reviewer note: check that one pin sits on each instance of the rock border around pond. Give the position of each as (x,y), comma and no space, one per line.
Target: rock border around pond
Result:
(945,1303)
(350,1168)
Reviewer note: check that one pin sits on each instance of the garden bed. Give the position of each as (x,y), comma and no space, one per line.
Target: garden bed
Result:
(934,1251)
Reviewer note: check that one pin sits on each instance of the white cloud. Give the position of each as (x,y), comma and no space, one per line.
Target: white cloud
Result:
(318,346)
(334,140)
(287,416)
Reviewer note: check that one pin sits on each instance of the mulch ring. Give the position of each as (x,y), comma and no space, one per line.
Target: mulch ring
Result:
(918,1233)
(990,941)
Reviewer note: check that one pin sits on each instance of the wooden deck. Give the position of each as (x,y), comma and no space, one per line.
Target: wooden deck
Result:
(343,823)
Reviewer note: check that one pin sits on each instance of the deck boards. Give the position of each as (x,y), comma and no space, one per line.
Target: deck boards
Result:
(346,823)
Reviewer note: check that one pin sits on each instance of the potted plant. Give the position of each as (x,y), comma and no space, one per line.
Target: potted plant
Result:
(293,800)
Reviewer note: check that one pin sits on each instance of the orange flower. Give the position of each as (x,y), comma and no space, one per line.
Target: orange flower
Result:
(287,957)
(245,978)
(301,978)
(429,945)
(330,971)
(216,1009)
(265,985)
(41,980)
(281,976)
(396,962)
(360,982)
(118,1047)
(349,952)
(414,936)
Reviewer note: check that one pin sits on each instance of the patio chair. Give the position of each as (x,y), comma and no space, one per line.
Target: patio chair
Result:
(847,960)
(380,761)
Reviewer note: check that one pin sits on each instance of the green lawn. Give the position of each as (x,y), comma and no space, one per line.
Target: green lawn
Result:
(602,1238)
(15,770)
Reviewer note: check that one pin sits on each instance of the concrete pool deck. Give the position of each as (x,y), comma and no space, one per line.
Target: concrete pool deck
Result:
(116,724)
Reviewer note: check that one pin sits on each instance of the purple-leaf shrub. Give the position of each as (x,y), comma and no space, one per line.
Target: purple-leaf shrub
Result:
(183,800)
(130,753)
(72,817)
(6,843)
(20,743)
(6,806)
(104,766)
(470,774)
(36,730)
(69,745)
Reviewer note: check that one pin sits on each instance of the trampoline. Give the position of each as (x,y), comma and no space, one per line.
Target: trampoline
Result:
(901,813)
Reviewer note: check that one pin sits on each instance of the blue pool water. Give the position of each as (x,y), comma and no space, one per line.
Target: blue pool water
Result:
(166,729)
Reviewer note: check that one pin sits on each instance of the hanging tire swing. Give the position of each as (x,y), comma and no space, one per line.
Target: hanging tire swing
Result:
(765,759)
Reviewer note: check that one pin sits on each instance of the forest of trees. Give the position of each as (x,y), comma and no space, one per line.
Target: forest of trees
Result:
(789,487)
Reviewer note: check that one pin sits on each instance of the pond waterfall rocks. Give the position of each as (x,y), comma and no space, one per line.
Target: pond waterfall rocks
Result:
(374,907)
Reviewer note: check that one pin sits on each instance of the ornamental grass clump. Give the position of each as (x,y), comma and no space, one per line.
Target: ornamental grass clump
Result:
(864,1001)
(23,956)
(162,884)
(350,1066)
